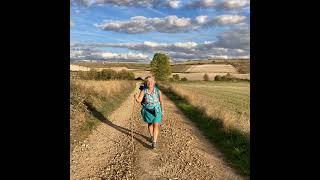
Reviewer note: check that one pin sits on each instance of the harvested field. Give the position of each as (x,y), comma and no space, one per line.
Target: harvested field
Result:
(212,68)
(78,68)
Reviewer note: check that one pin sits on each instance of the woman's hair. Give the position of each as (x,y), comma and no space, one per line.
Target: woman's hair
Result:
(148,77)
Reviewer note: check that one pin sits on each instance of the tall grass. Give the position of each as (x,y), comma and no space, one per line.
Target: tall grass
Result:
(216,123)
(105,96)
(228,103)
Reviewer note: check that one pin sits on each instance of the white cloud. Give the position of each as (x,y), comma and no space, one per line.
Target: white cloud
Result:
(238,38)
(173,3)
(187,45)
(201,19)
(219,5)
(137,24)
(83,2)
(123,56)
(233,43)
(186,50)
(201,4)
(151,44)
(141,24)
(137,3)
(79,53)
(71,24)
(233,4)
(168,24)
(147,46)
(228,19)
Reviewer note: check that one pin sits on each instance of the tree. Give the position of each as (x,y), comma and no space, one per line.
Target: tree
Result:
(218,78)
(176,77)
(206,77)
(228,77)
(160,66)
(123,74)
(92,74)
(108,74)
(184,79)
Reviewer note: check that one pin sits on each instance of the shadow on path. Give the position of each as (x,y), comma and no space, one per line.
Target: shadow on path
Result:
(125,131)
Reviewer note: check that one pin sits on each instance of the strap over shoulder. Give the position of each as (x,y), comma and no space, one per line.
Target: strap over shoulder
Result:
(157,90)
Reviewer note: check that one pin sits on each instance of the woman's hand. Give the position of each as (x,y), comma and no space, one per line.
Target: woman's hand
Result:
(138,97)
(163,114)
(135,97)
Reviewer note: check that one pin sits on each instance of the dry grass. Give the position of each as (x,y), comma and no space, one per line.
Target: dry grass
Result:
(227,101)
(103,95)
(106,88)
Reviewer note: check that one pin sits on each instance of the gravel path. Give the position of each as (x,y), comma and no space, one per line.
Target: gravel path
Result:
(182,152)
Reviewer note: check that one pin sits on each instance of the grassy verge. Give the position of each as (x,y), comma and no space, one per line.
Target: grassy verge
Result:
(84,95)
(234,145)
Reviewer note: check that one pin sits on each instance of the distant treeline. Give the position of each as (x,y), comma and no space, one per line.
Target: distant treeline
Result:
(106,74)
(227,77)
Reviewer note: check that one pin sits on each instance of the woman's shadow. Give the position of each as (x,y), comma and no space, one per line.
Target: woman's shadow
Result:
(126,131)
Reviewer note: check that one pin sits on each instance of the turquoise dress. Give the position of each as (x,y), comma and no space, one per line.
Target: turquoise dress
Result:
(151,110)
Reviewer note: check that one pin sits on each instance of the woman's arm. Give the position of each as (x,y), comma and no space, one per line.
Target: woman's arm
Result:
(140,97)
(161,102)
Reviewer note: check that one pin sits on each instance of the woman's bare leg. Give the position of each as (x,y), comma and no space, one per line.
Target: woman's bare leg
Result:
(155,131)
(150,127)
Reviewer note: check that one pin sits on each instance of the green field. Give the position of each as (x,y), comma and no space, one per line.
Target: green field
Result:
(233,96)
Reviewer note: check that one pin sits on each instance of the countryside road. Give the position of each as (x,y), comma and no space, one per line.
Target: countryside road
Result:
(182,152)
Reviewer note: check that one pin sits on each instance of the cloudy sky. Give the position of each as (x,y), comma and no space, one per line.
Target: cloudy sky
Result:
(133,30)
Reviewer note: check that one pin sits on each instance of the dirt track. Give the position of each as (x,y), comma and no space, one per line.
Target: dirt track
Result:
(182,152)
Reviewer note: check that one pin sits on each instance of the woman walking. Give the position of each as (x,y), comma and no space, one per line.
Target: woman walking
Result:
(152,107)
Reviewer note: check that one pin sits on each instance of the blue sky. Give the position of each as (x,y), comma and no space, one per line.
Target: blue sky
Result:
(169,28)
